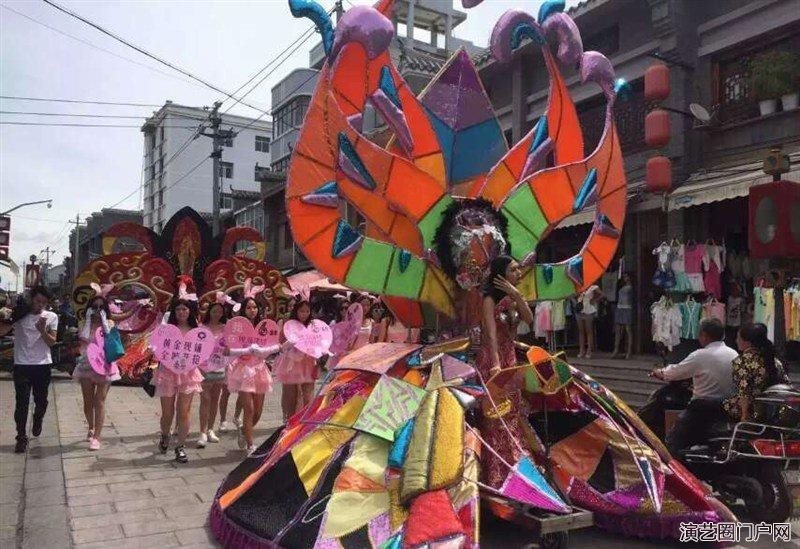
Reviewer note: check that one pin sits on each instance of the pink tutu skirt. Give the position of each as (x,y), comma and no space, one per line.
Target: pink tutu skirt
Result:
(169,384)
(84,371)
(249,376)
(293,367)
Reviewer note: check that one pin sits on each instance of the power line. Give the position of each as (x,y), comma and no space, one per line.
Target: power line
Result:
(71,114)
(302,39)
(178,152)
(91,45)
(74,125)
(43,219)
(79,101)
(303,83)
(187,174)
(147,53)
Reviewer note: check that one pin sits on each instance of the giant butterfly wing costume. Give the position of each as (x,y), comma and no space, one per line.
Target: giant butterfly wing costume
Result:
(385,456)
(142,270)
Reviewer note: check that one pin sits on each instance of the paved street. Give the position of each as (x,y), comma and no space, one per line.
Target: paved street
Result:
(126,495)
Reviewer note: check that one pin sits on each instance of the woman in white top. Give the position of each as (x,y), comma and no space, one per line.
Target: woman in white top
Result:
(623,316)
(587,312)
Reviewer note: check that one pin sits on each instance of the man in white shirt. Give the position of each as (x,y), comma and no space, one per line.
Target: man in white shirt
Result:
(34,333)
(711,372)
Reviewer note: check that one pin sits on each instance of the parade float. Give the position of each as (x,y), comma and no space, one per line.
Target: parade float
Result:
(391,451)
(140,272)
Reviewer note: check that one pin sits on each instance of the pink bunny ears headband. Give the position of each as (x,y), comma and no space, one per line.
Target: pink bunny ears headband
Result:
(224,299)
(250,290)
(101,290)
(184,294)
(303,293)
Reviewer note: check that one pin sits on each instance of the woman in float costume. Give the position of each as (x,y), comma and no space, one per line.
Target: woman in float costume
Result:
(94,386)
(177,390)
(334,476)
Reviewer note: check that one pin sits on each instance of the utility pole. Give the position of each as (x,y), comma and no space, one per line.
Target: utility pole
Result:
(75,248)
(46,264)
(338,10)
(216,135)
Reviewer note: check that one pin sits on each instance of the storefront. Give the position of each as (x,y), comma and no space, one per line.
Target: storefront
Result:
(705,267)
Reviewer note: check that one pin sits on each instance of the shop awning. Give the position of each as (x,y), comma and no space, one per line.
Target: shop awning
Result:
(716,186)
(315,281)
(580,218)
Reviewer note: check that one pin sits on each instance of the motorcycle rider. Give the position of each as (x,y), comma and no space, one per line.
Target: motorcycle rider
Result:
(710,369)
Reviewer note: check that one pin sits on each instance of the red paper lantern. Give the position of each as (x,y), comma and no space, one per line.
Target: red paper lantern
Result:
(775,219)
(656,82)
(658,174)
(656,128)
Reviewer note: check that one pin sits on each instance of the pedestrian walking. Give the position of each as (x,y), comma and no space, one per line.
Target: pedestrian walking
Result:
(296,370)
(35,329)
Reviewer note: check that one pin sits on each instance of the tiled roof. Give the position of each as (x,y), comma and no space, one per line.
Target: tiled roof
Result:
(420,62)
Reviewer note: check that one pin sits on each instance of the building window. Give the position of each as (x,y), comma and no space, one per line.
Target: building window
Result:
(281,165)
(227,141)
(262,143)
(226,170)
(629,116)
(736,99)
(290,116)
(226,202)
(605,41)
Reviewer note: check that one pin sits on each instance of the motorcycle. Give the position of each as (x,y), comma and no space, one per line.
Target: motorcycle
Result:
(744,463)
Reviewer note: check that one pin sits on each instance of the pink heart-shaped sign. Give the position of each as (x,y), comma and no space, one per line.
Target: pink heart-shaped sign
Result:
(217,361)
(240,334)
(345,332)
(181,353)
(313,340)
(96,354)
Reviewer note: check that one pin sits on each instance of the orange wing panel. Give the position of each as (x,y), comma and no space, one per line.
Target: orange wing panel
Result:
(405,234)
(433,164)
(349,77)
(412,189)
(498,184)
(602,248)
(516,157)
(613,205)
(313,141)
(562,119)
(319,245)
(554,194)
(308,219)
(577,173)
(377,161)
(422,133)
(592,271)
(306,175)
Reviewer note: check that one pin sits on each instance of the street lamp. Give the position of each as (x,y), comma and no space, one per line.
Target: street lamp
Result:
(49,203)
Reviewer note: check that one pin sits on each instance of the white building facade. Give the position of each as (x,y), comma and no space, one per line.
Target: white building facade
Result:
(172,177)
